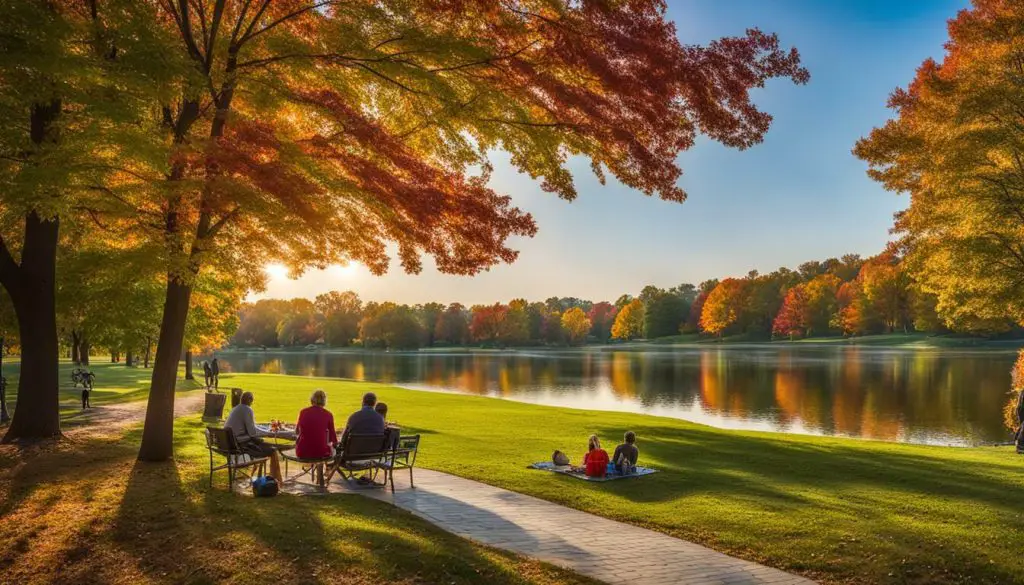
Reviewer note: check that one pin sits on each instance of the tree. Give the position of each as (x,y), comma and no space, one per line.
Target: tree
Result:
(293,122)
(887,287)
(576,325)
(602,317)
(629,324)
(65,74)
(790,320)
(259,322)
(341,313)
(299,324)
(391,326)
(723,306)
(453,325)
(664,313)
(487,323)
(820,303)
(956,147)
(515,326)
(429,314)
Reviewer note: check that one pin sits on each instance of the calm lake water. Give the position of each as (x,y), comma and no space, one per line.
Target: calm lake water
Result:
(949,397)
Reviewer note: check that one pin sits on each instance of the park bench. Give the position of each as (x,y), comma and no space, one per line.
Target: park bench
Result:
(221,441)
(316,468)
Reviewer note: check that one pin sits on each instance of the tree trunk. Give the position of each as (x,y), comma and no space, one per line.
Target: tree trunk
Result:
(4,416)
(83,351)
(158,433)
(129,358)
(37,412)
(149,346)
(75,340)
(188,366)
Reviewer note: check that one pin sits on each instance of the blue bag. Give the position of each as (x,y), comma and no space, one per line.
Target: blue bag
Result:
(264,486)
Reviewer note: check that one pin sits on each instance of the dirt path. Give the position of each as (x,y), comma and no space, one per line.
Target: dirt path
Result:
(111,419)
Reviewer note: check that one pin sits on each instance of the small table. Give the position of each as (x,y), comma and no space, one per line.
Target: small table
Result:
(286,433)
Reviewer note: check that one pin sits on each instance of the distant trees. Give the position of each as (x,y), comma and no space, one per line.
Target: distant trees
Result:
(602,317)
(340,313)
(576,325)
(629,324)
(879,296)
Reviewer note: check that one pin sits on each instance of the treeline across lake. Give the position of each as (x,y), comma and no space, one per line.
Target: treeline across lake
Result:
(848,296)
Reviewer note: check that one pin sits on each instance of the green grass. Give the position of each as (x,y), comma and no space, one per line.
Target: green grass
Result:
(839,510)
(86,512)
(905,340)
(114,383)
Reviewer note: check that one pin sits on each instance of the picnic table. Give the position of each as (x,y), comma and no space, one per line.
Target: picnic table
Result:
(283,438)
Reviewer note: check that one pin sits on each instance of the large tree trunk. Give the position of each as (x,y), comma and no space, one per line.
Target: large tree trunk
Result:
(83,350)
(188,365)
(129,358)
(149,347)
(158,433)
(75,341)
(37,411)
(4,416)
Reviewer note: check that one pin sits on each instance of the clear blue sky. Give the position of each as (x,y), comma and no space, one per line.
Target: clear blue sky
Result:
(800,195)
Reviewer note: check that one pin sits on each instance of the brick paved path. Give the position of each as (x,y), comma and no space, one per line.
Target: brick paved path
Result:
(588,544)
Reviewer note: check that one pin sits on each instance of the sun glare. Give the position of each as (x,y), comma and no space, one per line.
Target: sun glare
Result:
(276,271)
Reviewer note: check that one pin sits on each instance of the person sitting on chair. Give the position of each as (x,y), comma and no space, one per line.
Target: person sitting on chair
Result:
(392,430)
(242,422)
(366,420)
(626,454)
(315,428)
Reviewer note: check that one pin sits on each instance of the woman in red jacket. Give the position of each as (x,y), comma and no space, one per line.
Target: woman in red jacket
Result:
(315,429)
(596,460)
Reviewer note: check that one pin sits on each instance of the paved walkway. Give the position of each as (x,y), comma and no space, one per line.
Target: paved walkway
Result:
(588,544)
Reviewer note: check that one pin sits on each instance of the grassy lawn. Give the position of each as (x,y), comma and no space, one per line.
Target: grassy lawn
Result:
(86,512)
(839,510)
(114,383)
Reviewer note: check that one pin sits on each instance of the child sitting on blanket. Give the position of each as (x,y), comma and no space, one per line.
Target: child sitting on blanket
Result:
(626,455)
(595,462)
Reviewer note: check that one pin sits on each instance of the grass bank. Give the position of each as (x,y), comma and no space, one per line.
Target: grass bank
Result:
(838,510)
(902,340)
(84,511)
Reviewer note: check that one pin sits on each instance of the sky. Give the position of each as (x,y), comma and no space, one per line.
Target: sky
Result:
(800,195)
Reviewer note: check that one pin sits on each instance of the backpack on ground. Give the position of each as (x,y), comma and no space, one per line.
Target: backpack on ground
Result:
(559,458)
(265,486)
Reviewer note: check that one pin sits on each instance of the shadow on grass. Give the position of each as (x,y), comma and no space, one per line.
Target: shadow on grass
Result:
(695,460)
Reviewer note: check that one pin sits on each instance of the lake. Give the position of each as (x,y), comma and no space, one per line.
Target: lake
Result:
(935,396)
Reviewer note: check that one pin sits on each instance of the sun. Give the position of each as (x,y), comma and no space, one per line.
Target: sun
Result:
(276,271)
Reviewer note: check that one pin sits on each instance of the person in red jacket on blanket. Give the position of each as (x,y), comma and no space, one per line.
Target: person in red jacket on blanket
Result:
(595,462)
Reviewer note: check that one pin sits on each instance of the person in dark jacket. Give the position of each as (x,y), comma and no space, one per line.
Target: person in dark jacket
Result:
(215,373)
(207,375)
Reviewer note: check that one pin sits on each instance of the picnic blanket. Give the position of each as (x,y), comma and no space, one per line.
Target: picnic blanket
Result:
(568,470)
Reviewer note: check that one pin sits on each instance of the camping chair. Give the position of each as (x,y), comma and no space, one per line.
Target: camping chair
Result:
(222,442)
(360,453)
(401,456)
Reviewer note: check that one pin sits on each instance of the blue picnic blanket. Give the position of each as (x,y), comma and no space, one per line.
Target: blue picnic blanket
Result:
(568,470)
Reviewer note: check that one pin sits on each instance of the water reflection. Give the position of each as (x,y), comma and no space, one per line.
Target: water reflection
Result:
(940,396)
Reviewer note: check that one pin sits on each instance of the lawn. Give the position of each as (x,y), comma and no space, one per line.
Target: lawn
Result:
(84,511)
(114,383)
(838,510)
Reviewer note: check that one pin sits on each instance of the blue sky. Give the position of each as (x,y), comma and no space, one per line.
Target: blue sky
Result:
(800,195)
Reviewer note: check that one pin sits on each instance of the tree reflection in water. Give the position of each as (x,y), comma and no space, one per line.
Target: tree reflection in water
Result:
(925,396)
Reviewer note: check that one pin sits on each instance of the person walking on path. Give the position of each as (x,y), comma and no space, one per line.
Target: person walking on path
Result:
(215,374)
(207,375)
